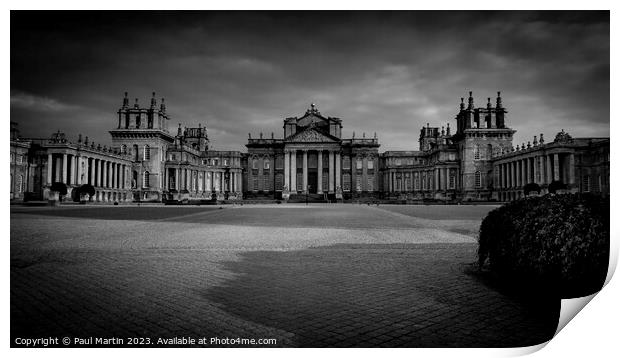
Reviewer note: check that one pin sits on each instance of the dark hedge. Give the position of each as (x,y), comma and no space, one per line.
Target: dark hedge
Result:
(559,243)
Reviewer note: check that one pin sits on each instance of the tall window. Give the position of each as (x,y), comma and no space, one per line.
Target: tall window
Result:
(279,181)
(489,151)
(20,183)
(476,152)
(370,164)
(416,181)
(266,164)
(147,152)
(346,162)
(254,164)
(145,179)
(478,179)
(358,164)
(452,179)
(346,182)
(135,153)
(266,182)
(358,182)
(586,183)
(370,183)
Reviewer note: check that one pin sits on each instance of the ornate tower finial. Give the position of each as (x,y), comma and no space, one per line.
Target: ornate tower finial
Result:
(162,106)
(542,140)
(153,101)
(179,130)
(462,103)
(126,100)
(136,104)
(80,138)
(448,129)
(489,103)
(499,100)
(470,101)
(535,141)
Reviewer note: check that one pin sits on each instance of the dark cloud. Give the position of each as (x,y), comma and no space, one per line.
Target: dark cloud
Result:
(240,72)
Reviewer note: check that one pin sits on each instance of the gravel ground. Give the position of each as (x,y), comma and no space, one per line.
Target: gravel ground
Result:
(317,275)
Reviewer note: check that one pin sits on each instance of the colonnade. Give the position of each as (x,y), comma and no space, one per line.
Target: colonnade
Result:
(540,169)
(436,179)
(202,181)
(105,174)
(290,170)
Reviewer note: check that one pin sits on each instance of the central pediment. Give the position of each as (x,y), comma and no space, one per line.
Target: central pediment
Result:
(311,135)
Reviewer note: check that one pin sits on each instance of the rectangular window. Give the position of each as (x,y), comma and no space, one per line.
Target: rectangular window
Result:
(346,182)
(358,164)
(346,162)
(266,183)
(255,184)
(585,183)
(300,182)
(225,162)
(279,181)
(370,183)
(358,183)
(398,162)
(266,165)
(371,164)
(325,181)
(279,162)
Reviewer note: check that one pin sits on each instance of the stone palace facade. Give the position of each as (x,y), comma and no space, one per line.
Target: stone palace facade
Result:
(310,161)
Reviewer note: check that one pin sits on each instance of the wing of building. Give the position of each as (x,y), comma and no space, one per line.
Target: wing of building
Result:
(310,160)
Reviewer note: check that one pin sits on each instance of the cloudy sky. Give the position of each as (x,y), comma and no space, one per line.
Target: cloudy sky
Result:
(244,72)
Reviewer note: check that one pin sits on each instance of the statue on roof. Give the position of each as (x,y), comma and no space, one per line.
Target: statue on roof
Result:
(563,137)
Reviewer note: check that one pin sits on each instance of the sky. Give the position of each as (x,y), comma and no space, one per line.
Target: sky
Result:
(244,72)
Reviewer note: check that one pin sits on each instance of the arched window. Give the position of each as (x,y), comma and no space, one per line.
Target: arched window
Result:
(254,164)
(147,152)
(266,164)
(20,183)
(478,179)
(476,152)
(135,153)
(145,179)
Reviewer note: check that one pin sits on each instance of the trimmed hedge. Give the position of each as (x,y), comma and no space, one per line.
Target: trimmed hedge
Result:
(555,242)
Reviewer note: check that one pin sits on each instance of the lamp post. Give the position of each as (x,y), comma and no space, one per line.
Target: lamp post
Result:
(307,190)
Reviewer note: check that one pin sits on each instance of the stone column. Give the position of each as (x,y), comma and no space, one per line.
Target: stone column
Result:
(524,165)
(331,172)
(63,175)
(287,169)
(106,178)
(91,167)
(176,179)
(338,172)
(556,167)
(98,174)
(294,171)
(549,172)
(102,175)
(114,173)
(305,171)
(436,182)
(319,179)
(50,164)
(571,169)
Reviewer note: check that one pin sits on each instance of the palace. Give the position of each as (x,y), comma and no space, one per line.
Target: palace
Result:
(310,161)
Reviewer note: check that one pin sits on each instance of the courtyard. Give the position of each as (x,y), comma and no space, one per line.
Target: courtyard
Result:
(300,276)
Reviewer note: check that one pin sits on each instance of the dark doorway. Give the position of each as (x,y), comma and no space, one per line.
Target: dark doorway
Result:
(312,181)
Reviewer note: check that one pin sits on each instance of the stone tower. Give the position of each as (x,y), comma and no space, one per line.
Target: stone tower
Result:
(143,133)
(481,134)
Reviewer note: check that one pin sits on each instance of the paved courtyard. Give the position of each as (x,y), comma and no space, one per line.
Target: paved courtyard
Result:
(306,276)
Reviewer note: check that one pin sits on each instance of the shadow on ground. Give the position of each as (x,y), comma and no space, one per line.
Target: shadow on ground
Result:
(381,295)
